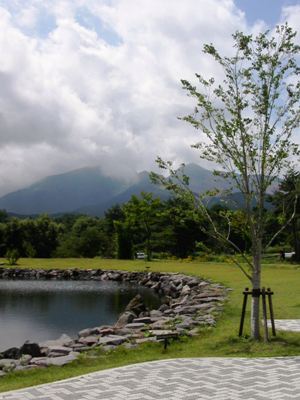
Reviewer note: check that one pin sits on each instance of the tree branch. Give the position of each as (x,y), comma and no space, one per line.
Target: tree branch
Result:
(285,225)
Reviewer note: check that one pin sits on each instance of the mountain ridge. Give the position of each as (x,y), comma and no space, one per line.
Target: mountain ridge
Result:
(89,191)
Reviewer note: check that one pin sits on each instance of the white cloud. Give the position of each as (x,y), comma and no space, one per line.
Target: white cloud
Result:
(76,96)
(291,14)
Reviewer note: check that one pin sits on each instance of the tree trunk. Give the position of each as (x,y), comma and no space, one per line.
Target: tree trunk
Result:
(256,281)
(296,239)
(148,248)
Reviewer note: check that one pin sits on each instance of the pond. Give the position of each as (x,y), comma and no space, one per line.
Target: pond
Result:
(42,310)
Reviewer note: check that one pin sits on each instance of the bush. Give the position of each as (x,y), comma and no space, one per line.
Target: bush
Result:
(12,257)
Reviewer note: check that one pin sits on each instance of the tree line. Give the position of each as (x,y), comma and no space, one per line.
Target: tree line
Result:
(147,224)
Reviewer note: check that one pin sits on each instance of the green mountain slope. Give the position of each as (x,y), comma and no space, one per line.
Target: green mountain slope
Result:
(63,193)
(89,191)
(143,184)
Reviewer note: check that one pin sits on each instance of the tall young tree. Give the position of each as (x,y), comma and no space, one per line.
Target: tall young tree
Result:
(246,124)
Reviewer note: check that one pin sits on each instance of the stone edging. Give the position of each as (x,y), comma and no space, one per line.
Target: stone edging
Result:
(189,303)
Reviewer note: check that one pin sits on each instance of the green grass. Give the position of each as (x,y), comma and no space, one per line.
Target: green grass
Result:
(220,341)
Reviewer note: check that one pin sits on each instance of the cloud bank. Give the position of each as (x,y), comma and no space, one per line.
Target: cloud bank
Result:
(90,82)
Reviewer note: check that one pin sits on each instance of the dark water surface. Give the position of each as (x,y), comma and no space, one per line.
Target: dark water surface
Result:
(42,310)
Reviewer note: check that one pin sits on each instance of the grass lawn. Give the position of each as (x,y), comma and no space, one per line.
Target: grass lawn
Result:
(222,341)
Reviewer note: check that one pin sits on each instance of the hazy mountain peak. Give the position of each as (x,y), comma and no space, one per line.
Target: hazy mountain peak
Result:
(88,190)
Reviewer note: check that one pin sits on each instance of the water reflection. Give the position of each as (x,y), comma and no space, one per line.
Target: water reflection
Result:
(41,310)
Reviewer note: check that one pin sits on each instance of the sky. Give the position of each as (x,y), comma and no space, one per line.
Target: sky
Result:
(97,82)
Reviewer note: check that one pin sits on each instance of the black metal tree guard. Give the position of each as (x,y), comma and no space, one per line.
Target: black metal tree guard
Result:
(263,293)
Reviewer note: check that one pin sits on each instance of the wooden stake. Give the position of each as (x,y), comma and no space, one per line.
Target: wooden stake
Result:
(264,304)
(246,293)
(269,294)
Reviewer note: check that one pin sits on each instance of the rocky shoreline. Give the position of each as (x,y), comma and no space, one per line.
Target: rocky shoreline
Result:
(189,303)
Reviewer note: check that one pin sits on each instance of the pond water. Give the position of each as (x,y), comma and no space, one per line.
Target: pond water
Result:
(42,310)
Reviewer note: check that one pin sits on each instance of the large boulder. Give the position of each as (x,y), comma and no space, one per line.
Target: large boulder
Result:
(136,305)
(12,353)
(126,318)
(8,365)
(63,340)
(59,361)
(33,349)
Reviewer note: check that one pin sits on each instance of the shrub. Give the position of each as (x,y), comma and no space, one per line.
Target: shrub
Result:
(12,256)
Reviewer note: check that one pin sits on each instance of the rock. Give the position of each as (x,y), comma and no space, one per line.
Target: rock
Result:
(156,286)
(161,332)
(137,325)
(55,351)
(155,313)
(80,347)
(163,307)
(161,323)
(107,348)
(13,353)
(188,310)
(185,290)
(123,332)
(89,340)
(144,320)
(112,340)
(130,346)
(25,359)
(136,305)
(145,340)
(59,361)
(194,332)
(8,364)
(203,284)
(105,331)
(169,312)
(33,349)
(186,324)
(125,318)
(193,282)
(63,340)
(144,314)
(24,367)
(85,332)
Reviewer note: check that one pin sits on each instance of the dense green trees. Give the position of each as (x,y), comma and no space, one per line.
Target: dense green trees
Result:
(30,237)
(143,216)
(84,239)
(286,201)
(147,224)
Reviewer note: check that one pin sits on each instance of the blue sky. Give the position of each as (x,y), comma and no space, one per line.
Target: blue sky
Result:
(266,10)
(97,82)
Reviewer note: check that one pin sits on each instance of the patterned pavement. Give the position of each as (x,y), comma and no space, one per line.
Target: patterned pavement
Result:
(292,325)
(179,379)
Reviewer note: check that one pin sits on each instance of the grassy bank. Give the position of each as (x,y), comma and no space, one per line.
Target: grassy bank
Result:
(219,341)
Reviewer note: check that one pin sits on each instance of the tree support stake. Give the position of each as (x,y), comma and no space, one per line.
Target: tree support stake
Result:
(264,294)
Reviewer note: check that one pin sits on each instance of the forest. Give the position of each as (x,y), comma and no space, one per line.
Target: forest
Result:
(159,228)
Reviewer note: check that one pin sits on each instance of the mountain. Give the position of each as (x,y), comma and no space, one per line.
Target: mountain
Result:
(89,191)
(142,184)
(202,180)
(63,193)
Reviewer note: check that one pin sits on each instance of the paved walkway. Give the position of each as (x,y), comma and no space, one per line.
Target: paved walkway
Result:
(182,379)
(292,325)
